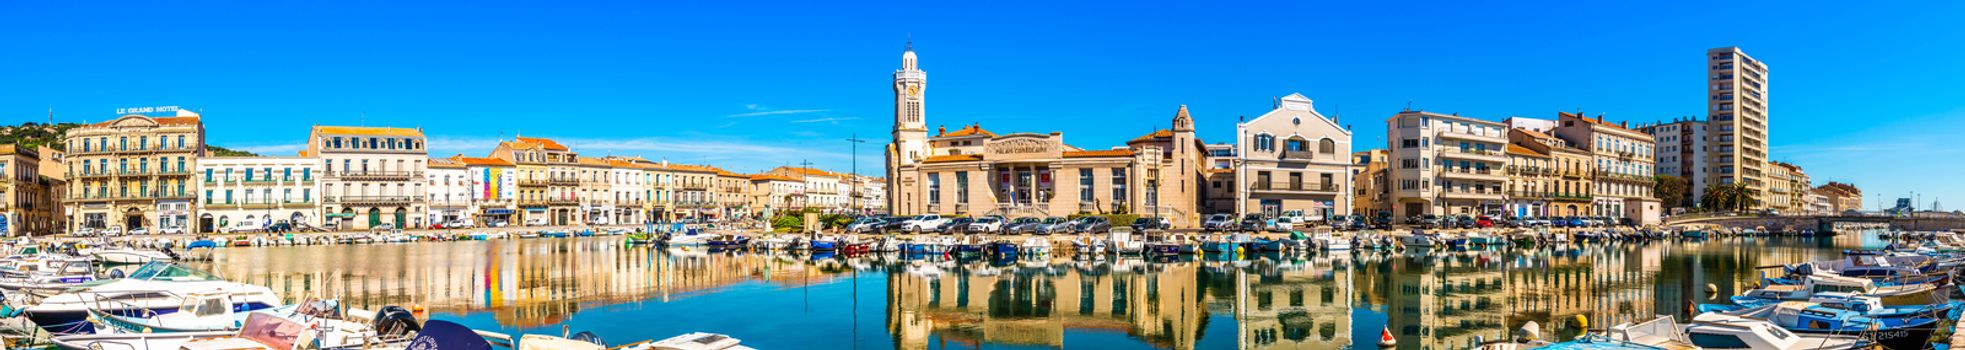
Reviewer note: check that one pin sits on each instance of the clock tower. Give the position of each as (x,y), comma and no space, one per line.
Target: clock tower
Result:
(910,129)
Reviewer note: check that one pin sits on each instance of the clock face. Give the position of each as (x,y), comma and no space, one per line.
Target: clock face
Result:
(914,90)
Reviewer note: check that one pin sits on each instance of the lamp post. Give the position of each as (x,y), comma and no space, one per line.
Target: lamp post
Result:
(855,141)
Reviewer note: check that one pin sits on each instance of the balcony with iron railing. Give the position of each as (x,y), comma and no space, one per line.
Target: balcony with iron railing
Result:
(563,181)
(528,182)
(1293,187)
(131,196)
(1530,170)
(287,204)
(375,175)
(370,200)
(1455,192)
(1450,133)
(1470,173)
(562,201)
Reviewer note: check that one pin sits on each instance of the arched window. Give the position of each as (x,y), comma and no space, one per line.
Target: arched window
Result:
(1326,146)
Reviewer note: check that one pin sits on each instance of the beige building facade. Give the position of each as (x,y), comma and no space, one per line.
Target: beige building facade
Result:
(1623,162)
(1369,193)
(28,206)
(1561,182)
(972,171)
(133,172)
(372,177)
(1737,105)
(1445,164)
(1294,160)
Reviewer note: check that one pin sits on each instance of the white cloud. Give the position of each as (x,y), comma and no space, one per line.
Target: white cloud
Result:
(833,120)
(776,112)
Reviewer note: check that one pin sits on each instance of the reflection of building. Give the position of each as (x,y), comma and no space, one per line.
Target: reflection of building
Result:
(971,171)
(243,194)
(370,176)
(1297,309)
(133,172)
(1160,307)
(1293,159)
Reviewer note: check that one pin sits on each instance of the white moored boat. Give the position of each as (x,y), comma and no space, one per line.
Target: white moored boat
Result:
(156,288)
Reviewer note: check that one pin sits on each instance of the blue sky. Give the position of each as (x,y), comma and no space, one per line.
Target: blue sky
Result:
(1857,93)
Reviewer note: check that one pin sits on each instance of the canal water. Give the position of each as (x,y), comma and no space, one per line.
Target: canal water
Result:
(1427,299)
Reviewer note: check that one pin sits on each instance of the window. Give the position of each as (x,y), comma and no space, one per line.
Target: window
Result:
(1265,142)
(934,188)
(962,187)
(1085,185)
(1119,185)
(1296,145)
(1326,146)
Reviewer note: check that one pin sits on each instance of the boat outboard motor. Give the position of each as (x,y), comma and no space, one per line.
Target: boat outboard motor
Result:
(116,273)
(393,321)
(589,337)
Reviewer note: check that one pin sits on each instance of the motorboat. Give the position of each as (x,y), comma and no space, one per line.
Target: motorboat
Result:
(1331,242)
(1422,239)
(1035,246)
(155,288)
(1895,332)
(1087,246)
(1900,295)
(1722,331)
(129,255)
(698,239)
(691,341)
(200,312)
(1656,334)
(1121,241)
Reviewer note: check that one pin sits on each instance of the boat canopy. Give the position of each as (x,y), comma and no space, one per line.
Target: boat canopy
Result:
(163,271)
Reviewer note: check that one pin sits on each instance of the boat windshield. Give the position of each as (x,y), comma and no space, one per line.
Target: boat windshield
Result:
(158,271)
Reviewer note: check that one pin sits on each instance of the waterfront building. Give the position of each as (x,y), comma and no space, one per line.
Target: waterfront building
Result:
(249,194)
(1532,124)
(1736,102)
(1565,186)
(627,190)
(449,191)
(1814,202)
(1842,197)
(1293,159)
(1786,185)
(972,171)
(28,204)
(693,196)
(371,176)
(1531,178)
(1682,152)
(1445,164)
(869,195)
(1370,196)
(731,192)
(824,190)
(1623,160)
(775,194)
(547,179)
(493,190)
(134,172)
(53,166)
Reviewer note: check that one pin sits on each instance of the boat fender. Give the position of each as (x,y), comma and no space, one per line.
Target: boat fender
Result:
(589,337)
(1385,339)
(1712,290)
(1582,321)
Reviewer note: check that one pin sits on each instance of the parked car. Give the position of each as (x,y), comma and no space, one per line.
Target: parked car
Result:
(1092,224)
(171,231)
(383,227)
(1483,221)
(1428,221)
(1151,223)
(1253,222)
(1383,221)
(1577,221)
(986,224)
(459,223)
(923,223)
(956,225)
(1218,222)
(139,231)
(866,224)
(1023,225)
(1054,224)
(1293,219)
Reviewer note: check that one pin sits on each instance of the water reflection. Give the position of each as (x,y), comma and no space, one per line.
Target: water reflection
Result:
(1428,299)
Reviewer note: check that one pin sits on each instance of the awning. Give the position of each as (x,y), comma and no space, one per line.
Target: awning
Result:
(340,215)
(498,211)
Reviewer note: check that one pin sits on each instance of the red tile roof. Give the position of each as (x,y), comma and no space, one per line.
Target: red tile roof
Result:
(530,142)
(1154,136)
(1104,153)
(970,130)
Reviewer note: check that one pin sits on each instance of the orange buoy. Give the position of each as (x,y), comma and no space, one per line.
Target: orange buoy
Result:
(1385,339)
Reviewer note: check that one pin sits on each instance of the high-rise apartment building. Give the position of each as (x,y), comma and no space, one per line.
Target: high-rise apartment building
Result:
(1737,124)
(1682,152)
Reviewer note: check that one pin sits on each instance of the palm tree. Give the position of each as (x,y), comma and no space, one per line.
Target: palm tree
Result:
(1729,197)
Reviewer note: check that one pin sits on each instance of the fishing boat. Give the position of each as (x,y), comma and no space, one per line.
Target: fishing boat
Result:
(1220,244)
(855,247)
(1900,295)
(1656,334)
(156,288)
(1121,240)
(1035,246)
(1172,244)
(1331,242)
(825,244)
(1001,248)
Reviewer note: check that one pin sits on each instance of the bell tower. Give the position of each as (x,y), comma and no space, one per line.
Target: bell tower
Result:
(910,127)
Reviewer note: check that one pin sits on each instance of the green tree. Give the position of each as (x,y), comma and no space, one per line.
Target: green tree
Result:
(1729,197)
(1672,191)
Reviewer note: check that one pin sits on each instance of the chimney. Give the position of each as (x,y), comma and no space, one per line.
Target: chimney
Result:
(941,130)
(1626,124)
